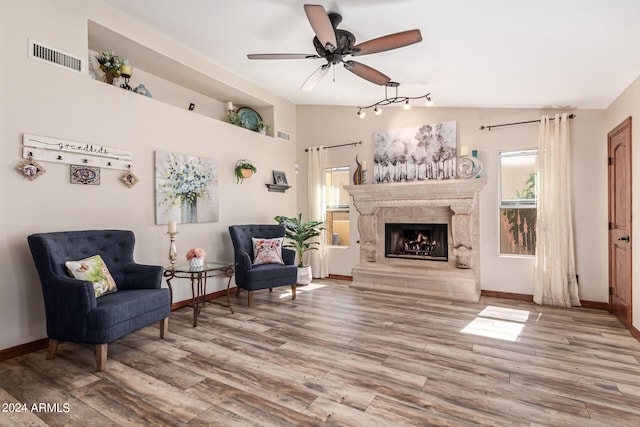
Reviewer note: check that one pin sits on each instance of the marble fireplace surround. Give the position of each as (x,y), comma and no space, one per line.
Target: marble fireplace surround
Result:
(452,202)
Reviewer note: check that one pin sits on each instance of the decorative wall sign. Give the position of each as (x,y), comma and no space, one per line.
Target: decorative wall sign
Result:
(186,188)
(87,175)
(419,153)
(48,149)
(30,169)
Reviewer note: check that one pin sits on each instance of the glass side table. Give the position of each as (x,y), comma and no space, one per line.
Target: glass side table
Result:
(198,277)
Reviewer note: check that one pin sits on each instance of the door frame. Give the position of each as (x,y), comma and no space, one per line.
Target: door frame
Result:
(625,125)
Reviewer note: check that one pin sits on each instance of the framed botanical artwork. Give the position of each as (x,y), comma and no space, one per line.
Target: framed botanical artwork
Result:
(186,188)
(280,178)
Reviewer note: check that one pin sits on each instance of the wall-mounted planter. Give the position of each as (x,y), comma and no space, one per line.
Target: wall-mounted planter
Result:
(244,170)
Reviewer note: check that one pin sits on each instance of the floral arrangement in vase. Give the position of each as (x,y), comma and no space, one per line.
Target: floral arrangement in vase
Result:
(195,256)
(110,63)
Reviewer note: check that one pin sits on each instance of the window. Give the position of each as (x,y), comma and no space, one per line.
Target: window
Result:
(337,223)
(518,202)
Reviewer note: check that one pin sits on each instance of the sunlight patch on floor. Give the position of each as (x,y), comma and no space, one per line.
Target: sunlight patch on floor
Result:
(498,322)
(299,289)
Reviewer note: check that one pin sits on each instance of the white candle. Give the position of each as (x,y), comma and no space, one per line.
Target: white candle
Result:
(173,227)
(364,165)
(464,150)
(229,106)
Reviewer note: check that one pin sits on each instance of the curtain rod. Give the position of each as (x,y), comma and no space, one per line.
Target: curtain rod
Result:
(339,145)
(571,116)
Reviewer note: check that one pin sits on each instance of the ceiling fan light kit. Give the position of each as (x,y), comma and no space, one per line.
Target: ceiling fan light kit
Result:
(333,45)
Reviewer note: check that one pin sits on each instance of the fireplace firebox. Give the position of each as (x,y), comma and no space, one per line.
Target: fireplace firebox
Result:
(416,241)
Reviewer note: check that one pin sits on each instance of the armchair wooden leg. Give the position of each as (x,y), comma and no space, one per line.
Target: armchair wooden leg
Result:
(101,356)
(53,346)
(164,327)
(250,298)
(293,291)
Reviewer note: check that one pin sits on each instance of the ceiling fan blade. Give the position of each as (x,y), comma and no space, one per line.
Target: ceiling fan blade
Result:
(367,73)
(321,25)
(388,42)
(281,56)
(315,78)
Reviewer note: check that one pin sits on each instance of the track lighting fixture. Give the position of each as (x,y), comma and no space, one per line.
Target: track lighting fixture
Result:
(394,100)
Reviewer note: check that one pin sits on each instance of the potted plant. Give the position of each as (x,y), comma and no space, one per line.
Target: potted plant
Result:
(263,128)
(110,63)
(299,233)
(244,169)
(234,118)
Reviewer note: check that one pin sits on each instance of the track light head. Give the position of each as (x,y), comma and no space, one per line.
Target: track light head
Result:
(429,101)
(377,110)
(361,113)
(406,105)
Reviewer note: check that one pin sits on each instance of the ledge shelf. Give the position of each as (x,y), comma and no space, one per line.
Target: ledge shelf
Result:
(278,188)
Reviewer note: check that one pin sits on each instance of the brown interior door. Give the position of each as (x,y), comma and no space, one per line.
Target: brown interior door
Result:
(619,143)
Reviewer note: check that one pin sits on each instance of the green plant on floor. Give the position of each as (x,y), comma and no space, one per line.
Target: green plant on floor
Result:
(299,233)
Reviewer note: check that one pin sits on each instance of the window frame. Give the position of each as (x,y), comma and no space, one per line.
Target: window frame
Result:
(330,209)
(514,204)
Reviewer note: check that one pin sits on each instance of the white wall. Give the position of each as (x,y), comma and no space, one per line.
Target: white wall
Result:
(318,125)
(628,104)
(43,99)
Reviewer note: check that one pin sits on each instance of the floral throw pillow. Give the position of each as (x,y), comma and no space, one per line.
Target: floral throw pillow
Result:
(94,270)
(267,251)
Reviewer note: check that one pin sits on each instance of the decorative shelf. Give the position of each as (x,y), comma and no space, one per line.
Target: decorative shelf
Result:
(278,188)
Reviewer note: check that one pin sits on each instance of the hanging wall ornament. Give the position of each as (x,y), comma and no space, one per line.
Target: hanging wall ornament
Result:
(30,169)
(129,178)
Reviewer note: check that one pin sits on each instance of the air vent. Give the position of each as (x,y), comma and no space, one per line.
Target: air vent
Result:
(40,52)
(283,135)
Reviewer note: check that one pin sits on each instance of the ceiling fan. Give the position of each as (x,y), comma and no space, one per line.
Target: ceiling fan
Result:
(334,45)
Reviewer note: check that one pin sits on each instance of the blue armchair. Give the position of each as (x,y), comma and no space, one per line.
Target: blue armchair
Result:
(73,312)
(263,276)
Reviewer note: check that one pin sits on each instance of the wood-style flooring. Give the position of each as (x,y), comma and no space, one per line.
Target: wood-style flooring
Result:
(342,357)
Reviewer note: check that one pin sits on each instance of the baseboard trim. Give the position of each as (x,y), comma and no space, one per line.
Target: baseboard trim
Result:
(529,298)
(22,349)
(207,297)
(340,277)
(595,304)
(634,333)
(507,295)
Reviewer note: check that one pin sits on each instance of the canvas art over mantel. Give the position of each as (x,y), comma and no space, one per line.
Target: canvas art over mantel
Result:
(186,188)
(417,153)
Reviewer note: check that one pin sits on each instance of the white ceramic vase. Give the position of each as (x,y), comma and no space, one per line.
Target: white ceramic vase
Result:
(196,263)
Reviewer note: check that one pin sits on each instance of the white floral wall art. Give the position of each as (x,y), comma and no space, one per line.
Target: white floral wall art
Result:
(417,153)
(186,188)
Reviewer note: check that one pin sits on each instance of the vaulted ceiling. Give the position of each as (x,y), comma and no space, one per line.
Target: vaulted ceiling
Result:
(489,53)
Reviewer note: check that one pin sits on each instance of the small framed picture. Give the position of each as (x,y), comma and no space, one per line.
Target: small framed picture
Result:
(279,178)
(86,175)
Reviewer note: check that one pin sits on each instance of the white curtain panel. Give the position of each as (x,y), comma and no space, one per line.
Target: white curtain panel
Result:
(318,259)
(555,280)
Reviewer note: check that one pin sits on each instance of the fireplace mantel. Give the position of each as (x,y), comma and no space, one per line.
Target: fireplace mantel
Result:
(454,202)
